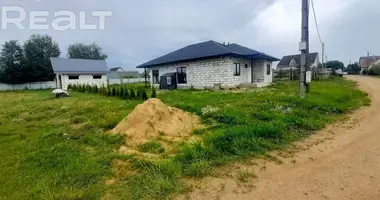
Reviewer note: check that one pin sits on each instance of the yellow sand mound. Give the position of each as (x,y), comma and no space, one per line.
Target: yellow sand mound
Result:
(153,119)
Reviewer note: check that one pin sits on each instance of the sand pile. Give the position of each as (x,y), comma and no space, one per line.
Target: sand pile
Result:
(153,119)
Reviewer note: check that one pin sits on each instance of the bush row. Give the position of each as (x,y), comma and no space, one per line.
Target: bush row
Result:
(123,92)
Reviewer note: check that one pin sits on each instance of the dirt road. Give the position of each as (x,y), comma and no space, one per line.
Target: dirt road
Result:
(341,162)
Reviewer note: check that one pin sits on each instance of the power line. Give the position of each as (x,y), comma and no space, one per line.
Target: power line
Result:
(316,21)
(319,34)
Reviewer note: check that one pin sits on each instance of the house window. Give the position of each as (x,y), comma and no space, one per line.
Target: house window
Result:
(169,80)
(73,77)
(155,76)
(268,69)
(97,77)
(181,73)
(237,69)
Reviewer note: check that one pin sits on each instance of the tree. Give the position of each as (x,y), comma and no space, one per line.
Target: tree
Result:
(375,70)
(154,94)
(353,68)
(38,51)
(83,51)
(335,65)
(12,63)
(132,94)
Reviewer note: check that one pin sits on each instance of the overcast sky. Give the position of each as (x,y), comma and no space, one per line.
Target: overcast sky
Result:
(141,30)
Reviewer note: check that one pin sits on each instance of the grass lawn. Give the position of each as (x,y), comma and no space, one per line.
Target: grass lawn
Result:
(58,149)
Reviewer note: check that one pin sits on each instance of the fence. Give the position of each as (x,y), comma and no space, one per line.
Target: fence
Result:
(28,86)
(125,81)
(294,74)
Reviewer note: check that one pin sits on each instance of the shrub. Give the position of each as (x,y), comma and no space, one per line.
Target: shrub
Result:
(109,91)
(154,94)
(121,92)
(132,94)
(69,87)
(118,91)
(126,94)
(375,70)
(74,87)
(113,92)
(95,89)
(142,94)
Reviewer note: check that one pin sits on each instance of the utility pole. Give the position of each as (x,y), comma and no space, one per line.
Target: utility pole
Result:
(323,55)
(367,59)
(304,46)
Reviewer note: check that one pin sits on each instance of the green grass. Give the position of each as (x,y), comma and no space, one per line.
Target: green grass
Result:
(151,147)
(59,148)
(244,176)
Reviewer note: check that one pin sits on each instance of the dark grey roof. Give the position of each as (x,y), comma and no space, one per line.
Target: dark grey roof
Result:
(78,66)
(207,50)
(115,69)
(285,61)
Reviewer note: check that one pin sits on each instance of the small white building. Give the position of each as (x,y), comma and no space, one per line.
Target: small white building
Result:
(211,63)
(78,72)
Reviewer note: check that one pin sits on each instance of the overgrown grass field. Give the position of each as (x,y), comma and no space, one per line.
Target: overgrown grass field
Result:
(59,149)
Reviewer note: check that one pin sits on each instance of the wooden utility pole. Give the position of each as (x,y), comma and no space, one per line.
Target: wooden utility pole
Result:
(304,46)
(323,55)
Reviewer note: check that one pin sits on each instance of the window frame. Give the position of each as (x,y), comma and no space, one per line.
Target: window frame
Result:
(73,77)
(237,69)
(97,77)
(156,75)
(269,69)
(181,75)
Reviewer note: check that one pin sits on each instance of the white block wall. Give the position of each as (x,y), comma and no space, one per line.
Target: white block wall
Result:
(83,79)
(209,72)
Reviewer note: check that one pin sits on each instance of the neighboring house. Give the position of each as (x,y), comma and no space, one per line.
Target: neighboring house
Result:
(79,71)
(374,63)
(365,62)
(123,74)
(211,63)
(294,61)
(116,69)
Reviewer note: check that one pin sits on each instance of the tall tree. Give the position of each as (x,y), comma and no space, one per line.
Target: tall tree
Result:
(83,51)
(38,51)
(12,63)
(353,68)
(335,65)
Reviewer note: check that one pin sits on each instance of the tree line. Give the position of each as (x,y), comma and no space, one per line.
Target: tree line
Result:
(30,61)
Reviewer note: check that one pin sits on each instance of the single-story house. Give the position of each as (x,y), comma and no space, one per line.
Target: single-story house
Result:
(294,61)
(79,71)
(117,69)
(211,63)
(366,61)
(119,73)
(374,63)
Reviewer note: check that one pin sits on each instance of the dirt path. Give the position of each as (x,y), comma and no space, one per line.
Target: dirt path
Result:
(340,162)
